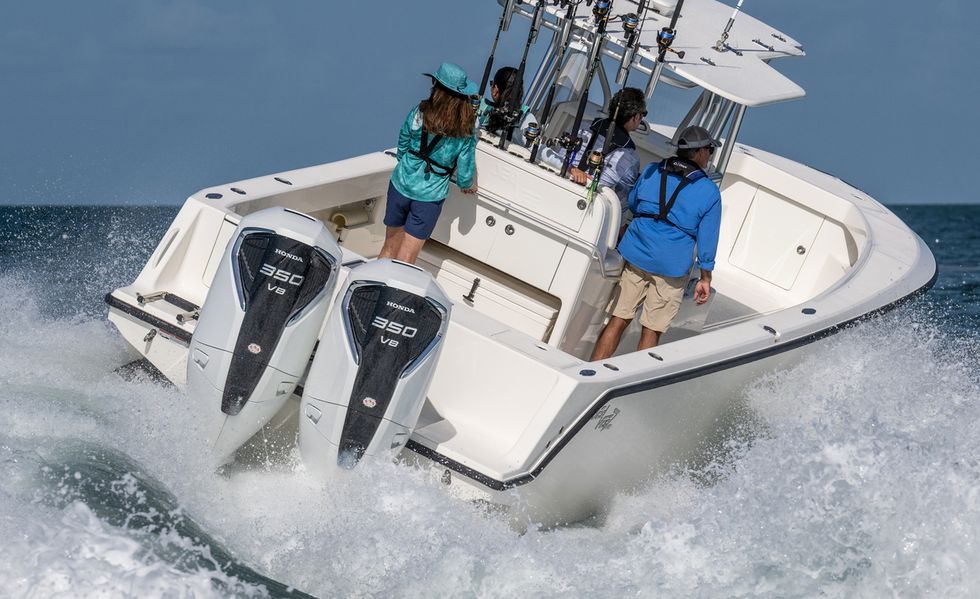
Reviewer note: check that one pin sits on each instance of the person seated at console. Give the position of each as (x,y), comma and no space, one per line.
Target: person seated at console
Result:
(621,164)
(491,115)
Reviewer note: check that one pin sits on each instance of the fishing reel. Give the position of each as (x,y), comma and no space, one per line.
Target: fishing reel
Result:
(594,162)
(503,118)
(475,102)
(665,37)
(503,121)
(566,141)
(630,22)
(601,10)
(532,133)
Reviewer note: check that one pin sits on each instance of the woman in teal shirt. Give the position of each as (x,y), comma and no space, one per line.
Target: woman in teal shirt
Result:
(435,141)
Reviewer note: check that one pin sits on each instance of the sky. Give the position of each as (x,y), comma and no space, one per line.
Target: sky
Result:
(145,102)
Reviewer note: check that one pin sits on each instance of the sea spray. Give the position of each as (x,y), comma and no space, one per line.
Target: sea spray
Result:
(855,473)
(864,479)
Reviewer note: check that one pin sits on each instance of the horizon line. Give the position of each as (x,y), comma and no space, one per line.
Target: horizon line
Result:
(179,204)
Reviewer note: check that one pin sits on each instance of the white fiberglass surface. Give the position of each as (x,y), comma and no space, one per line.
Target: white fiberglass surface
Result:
(854,472)
(774,238)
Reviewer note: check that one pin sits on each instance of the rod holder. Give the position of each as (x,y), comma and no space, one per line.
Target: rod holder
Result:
(508,14)
(150,297)
(188,316)
(346,220)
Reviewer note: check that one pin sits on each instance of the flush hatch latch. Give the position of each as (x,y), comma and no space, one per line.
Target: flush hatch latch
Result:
(472,294)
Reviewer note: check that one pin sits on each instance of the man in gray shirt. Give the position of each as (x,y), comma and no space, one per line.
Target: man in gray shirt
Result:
(622,165)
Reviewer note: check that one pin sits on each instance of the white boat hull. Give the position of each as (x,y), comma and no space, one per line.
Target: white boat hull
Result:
(515,413)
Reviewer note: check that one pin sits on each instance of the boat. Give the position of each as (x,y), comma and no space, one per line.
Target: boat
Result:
(500,399)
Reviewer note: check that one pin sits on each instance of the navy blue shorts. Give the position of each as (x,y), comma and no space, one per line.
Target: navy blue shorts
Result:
(418,218)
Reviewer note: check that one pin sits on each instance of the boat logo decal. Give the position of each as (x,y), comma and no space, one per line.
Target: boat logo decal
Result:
(281,275)
(392,304)
(604,418)
(255,348)
(287,255)
(369,402)
(390,326)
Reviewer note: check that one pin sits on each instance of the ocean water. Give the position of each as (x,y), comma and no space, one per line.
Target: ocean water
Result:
(861,477)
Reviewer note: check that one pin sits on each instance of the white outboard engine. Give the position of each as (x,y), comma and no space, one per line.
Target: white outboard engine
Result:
(374,364)
(260,322)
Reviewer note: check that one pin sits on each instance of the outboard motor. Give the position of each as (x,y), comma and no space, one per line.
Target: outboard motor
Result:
(374,364)
(260,322)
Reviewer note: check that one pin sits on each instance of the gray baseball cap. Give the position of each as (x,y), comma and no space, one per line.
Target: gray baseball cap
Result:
(696,137)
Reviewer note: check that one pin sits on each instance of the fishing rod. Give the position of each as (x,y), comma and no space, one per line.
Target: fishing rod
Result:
(511,109)
(722,43)
(503,26)
(571,140)
(633,25)
(665,37)
(533,132)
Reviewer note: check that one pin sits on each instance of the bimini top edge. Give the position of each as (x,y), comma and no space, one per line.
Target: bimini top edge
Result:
(741,73)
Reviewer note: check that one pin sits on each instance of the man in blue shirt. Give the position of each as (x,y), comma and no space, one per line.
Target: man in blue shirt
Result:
(675,207)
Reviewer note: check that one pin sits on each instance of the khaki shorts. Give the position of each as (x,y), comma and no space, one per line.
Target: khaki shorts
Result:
(660,296)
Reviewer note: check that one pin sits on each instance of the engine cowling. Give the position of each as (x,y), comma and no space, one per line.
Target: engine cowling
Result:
(260,322)
(372,370)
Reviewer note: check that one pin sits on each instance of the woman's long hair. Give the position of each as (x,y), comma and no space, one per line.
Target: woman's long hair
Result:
(506,80)
(510,88)
(447,114)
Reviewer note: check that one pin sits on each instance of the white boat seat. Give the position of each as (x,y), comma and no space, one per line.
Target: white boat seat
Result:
(502,297)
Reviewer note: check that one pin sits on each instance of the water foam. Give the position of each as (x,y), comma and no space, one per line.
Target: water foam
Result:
(856,474)
(72,553)
(864,480)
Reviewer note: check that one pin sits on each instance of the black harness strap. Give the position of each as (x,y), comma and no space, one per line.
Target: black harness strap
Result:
(689,172)
(666,207)
(424,152)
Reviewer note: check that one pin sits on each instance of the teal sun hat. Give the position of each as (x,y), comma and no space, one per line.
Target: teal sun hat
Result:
(453,77)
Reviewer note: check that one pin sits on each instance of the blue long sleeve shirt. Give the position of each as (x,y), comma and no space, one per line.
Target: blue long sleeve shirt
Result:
(661,248)
(409,176)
